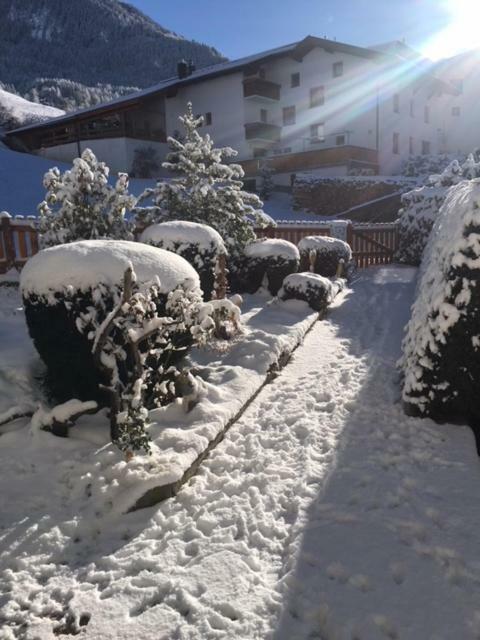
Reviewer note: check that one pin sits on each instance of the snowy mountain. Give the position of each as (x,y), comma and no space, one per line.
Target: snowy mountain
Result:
(92,43)
(16,111)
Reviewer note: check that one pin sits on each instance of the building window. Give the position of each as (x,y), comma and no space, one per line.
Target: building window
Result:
(412,108)
(425,148)
(396,143)
(317,133)
(261,74)
(263,115)
(411,148)
(208,118)
(288,115)
(337,69)
(396,103)
(317,96)
(340,140)
(426,114)
(456,111)
(259,152)
(295,80)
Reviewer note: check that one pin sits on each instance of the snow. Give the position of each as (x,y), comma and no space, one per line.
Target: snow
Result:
(23,110)
(85,264)
(178,232)
(325,512)
(324,243)
(272,248)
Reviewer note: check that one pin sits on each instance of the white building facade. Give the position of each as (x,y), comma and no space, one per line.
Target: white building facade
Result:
(316,105)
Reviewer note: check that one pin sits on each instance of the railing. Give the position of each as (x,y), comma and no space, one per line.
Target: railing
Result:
(371,243)
(18,241)
(262,131)
(260,88)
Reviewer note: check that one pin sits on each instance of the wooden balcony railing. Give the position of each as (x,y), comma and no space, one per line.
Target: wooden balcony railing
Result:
(260,88)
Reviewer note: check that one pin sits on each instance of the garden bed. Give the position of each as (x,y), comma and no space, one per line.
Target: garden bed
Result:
(181,440)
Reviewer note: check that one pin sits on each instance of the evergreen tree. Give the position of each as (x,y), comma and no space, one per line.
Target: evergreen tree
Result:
(81,205)
(266,184)
(205,189)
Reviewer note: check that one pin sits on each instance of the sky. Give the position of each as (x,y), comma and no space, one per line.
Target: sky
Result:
(438,28)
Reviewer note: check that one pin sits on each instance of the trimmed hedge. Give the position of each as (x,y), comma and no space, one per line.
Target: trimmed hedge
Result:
(51,311)
(329,251)
(270,260)
(310,287)
(198,244)
(441,349)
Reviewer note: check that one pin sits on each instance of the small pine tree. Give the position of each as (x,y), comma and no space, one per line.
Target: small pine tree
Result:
(266,184)
(81,205)
(206,190)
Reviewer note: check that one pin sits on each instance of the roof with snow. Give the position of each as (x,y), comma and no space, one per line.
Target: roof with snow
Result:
(296,50)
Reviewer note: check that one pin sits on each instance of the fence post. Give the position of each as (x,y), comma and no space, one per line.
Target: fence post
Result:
(350,234)
(8,243)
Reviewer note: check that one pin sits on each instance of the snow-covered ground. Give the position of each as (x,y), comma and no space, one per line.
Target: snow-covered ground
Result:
(324,513)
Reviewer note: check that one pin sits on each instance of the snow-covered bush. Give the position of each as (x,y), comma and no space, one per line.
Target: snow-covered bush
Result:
(311,287)
(420,208)
(61,284)
(441,349)
(325,253)
(80,204)
(204,189)
(426,165)
(198,243)
(271,260)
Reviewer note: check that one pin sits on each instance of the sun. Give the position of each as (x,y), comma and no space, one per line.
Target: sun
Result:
(461,33)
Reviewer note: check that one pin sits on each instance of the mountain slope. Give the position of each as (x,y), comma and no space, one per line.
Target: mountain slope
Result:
(90,42)
(16,111)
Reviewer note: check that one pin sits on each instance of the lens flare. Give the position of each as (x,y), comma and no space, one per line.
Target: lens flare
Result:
(461,33)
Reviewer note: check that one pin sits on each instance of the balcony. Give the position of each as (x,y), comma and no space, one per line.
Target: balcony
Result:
(262,133)
(258,88)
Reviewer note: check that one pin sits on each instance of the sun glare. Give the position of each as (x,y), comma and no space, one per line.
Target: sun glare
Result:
(460,34)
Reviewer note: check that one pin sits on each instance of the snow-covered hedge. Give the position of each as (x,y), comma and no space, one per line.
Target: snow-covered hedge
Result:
(328,253)
(419,211)
(65,282)
(311,287)
(198,243)
(441,349)
(420,208)
(270,259)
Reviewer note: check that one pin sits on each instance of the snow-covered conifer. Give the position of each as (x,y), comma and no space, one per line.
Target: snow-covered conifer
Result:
(204,189)
(80,204)
(266,181)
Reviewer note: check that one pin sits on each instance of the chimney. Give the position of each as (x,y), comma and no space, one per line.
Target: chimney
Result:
(183,69)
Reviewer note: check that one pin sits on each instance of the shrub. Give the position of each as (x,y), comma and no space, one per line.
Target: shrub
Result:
(199,244)
(316,290)
(270,259)
(64,283)
(441,349)
(81,205)
(421,206)
(206,188)
(328,253)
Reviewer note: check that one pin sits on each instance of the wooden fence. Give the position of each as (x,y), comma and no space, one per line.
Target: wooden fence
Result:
(372,243)
(18,241)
